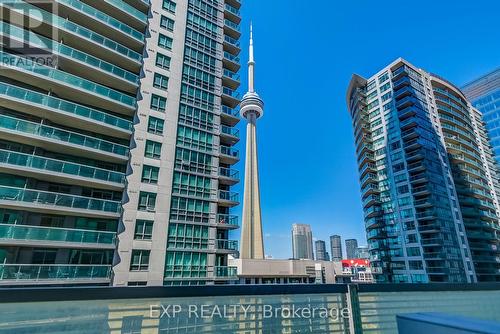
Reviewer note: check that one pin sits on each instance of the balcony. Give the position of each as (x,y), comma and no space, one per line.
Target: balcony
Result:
(64,112)
(232,44)
(230,79)
(229,116)
(101,22)
(60,171)
(227,245)
(232,29)
(27,235)
(67,85)
(232,13)
(53,273)
(373,307)
(229,155)
(228,176)
(92,67)
(227,221)
(58,203)
(56,139)
(229,135)
(228,198)
(230,97)
(75,35)
(231,61)
(226,272)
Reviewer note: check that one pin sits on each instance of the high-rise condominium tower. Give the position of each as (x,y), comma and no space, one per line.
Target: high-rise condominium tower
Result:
(431,212)
(252,108)
(336,247)
(484,94)
(321,253)
(116,151)
(302,244)
(351,247)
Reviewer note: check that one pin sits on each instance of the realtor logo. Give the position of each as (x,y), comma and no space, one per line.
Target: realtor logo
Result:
(29,30)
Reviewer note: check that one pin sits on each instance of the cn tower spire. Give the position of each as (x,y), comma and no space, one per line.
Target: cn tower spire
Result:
(251,109)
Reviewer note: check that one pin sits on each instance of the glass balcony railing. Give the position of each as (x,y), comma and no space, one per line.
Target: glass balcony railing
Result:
(36,129)
(53,272)
(58,199)
(231,74)
(42,233)
(227,220)
(334,308)
(229,111)
(339,308)
(232,25)
(59,166)
(100,16)
(232,9)
(230,92)
(126,8)
(227,244)
(41,42)
(233,58)
(63,106)
(232,41)
(226,271)
(66,79)
(64,24)
(228,172)
(228,196)
(229,130)
(226,150)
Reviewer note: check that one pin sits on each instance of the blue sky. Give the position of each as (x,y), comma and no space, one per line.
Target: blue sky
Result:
(305,57)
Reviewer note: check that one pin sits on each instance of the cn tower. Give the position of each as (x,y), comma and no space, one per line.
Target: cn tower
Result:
(251,109)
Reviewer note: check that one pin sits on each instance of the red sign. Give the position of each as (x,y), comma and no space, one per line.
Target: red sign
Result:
(355,263)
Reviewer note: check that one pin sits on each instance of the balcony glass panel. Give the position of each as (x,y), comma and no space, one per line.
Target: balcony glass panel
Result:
(37,129)
(58,199)
(53,272)
(41,233)
(64,106)
(64,78)
(59,166)
(62,23)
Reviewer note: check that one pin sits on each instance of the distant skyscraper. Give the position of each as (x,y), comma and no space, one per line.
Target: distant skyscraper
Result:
(427,178)
(362,252)
(336,247)
(251,109)
(484,94)
(321,254)
(351,247)
(302,244)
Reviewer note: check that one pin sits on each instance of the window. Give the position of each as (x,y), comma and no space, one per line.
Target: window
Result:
(147,201)
(167,23)
(163,61)
(153,149)
(143,229)
(155,125)
(386,96)
(160,81)
(383,78)
(140,260)
(158,103)
(150,174)
(165,42)
(169,6)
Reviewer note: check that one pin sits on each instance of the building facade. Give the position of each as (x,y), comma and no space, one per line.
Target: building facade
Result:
(117,151)
(336,247)
(426,174)
(484,94)
(351,248)
(362,252)
(321,253)
(302,244)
